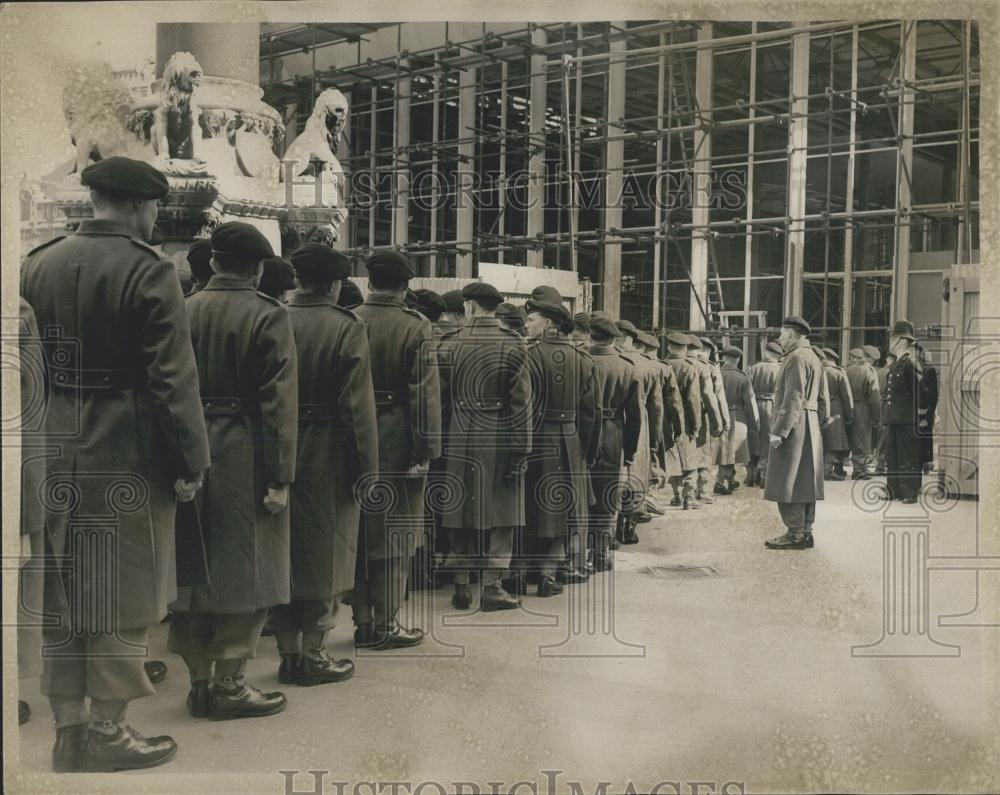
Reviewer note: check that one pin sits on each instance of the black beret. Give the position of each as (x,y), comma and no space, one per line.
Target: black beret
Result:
(242,241)
(199,258)
(794,321)
(604,325)
(350,294)
(125,178)
(676,338)
(512,313)
(694,343)
(706,342)
(410,298)
(488,295)
(627,327)
(775,347)
(391,263)
(819,353)
(732,350)
(648,340)
(277,277)
(831,353)
(316,262)
(548,302)
(454,302)
(290,240)
(874,353)
(430,304)
(581,321)
(857,353)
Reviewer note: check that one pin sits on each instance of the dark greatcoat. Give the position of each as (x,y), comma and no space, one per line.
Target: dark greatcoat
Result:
(619,389)
(490,432)
(763,377)
(337,445)
(927,410)
(245,349)
(408,411)
(865,390)
(566,434)
(674,425)
(711,415)
(123,409)
(743,419)
(835,436)
(795,467)
(716,443)
(684,455)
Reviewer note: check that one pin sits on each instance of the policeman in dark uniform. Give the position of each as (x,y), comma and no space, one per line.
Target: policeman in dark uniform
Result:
(900,414)
(122,399)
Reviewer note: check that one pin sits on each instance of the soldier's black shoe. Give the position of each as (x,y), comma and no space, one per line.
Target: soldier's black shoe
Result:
(630,537)
(323,669)
(908,500)
(690,503)
(615,543)
(244,701)
(68,748)
(549,587)
(156,670)
(676,502)
(126,749)
(704,499)
(733,485)
(641,518)
(787,541)
(23,712)
(396,637)
(364,636)
(517,585)
(572,576)
(602,563)
(288,670)
(462,598)
(496,598)
(720,489)
(808,540)
(199,699)
(836,476)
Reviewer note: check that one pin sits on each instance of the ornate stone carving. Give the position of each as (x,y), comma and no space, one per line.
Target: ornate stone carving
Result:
(319,138)
(96,105)
(176,134)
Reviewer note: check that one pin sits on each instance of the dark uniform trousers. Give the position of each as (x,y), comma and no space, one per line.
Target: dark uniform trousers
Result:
(488,550)
(107,667)
(902,460)
(798,516)
(379,586)
(302,625)
(215,644)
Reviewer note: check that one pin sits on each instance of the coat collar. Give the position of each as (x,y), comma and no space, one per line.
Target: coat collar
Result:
(485,320)
(603,349)
(105,226)
(230,281)
(799,343)
(381,300)
(306,299)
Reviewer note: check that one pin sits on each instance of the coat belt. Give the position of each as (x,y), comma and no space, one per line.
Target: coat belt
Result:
(810,405)
(479,404)
(764,396)
(612,414)
(112,380)
(317,412)
(389,397)
(226,406)
(559,415)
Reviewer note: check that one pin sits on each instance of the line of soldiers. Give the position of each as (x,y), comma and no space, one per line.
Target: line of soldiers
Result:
(275,457)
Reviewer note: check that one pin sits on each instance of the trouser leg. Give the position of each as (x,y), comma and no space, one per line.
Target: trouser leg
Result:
(551,551)
(793,514)
(361,599)
(234,642)
(499,544)
(190,634)
(388,581)
(892,480)
(287,623)
(319,616)
(64,681)
(808,516)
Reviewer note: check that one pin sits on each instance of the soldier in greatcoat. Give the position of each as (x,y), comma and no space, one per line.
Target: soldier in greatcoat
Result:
(711,352)
(928,407)
(651,416)
(673,425)
(124,416)
(245,350)
(795,464)
(865,392)
(408,412)
(489,438)
(581,329)
(199,259)
(565,438)
(836,441)
(763,376)
(337,450)
(453,316)
(881,432)
(619,388)
(683,455)
(900,416)
(714,423)
(743,417)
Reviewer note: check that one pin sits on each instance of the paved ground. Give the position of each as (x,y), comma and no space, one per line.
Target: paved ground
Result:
(737,670)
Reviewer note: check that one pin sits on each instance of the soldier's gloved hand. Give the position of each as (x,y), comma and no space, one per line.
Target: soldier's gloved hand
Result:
(418,469)
(776,440)
(718,432)
(186,489)
(276,498)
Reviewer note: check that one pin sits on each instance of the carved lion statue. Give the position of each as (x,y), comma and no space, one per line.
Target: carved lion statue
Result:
(95,105)
(318,140)
(176,120)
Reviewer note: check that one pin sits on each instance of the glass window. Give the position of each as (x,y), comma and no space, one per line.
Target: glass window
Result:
(935,174)
(822,301)
(824,247)
(870,307)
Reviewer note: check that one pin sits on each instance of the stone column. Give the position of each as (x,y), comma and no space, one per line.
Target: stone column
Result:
(223,49)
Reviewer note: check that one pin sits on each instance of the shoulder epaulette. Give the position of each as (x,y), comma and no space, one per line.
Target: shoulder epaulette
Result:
(414,312)
(46,244)
(450,333)
(268,298)
(626,358)
(145,247)
(346,311)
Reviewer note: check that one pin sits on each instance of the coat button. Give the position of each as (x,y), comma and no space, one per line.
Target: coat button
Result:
(106,379)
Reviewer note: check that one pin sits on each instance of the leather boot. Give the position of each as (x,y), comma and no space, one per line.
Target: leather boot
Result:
(364,636)
(790,540)
(691,504)
(156,670)
(571,576)
(23,712)
(396,637)
(68,748)
(288,670)
(126,749)
(244,701)
(319,669)
(676,501)
(462,598)
(549,587)
(807,539)
(199,699)
(496,598)
(516,584)
(630,536)
(721,489)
